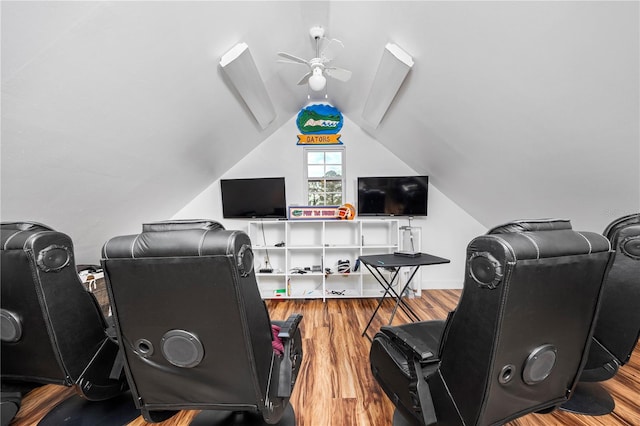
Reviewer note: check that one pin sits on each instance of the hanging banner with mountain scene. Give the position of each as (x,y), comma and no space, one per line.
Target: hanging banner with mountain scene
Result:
(319,124)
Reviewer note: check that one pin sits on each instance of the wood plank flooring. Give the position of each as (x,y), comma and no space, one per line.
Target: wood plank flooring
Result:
(335,386)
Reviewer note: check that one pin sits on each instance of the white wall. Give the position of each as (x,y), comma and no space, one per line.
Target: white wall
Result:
(117,113)
(445,232)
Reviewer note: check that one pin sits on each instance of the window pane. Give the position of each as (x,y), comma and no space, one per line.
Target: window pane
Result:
(315,158)
(334,157)
(334,199)
(333,171)
(316,186)
(316,199)
(325,171)
(334,186)
(315,171)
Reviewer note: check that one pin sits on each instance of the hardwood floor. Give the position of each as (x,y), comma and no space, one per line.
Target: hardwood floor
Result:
(335,386)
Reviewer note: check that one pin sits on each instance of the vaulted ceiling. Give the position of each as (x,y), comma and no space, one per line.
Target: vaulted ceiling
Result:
(117,112)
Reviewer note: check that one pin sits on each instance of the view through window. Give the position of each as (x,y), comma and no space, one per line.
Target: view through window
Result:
(325,171)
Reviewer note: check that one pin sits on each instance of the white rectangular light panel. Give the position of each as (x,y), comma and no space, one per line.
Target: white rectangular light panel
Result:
(238,64)
(393,69)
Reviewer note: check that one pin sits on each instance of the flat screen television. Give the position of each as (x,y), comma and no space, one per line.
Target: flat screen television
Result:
(253,198)
(393,196)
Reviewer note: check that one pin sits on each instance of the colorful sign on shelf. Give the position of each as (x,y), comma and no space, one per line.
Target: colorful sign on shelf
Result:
(319,124)
(313,212)
(343,212)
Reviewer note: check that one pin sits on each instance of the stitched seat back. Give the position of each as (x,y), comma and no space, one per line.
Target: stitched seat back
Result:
(618,325)
(518,338)
(51,326)
(194,329)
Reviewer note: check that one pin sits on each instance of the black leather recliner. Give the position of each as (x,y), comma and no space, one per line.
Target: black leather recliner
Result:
(193,327)
(53,331)
(618,324)
(516,342)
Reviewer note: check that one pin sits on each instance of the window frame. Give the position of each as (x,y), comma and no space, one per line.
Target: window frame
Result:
(305,172)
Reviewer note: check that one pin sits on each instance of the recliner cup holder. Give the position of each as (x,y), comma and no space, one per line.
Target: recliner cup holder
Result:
(144,348)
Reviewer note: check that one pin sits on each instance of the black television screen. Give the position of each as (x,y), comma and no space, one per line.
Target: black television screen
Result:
(253,198)
(393,196)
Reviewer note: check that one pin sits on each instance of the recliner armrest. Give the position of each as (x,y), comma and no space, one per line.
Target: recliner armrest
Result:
(411,343)
(415,358)
(290,326)
(292,356)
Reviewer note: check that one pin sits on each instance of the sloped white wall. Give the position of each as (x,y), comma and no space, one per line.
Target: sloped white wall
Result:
(526,109)
(445,232)
(117,113)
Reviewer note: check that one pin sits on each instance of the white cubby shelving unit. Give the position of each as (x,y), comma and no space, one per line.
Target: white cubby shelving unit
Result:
(314,245)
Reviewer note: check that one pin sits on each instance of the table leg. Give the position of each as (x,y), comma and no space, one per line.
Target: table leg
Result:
(388,286)
(388,289)
(403,305)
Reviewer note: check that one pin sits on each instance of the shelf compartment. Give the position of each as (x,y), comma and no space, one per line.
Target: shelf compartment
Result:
(304,234)
(267,233)
(342,285)
(270,283)
(379,233)
(306,294)
(305,258)
(331,258)
(305,285)
(345,294)
(342,233)
(277,261)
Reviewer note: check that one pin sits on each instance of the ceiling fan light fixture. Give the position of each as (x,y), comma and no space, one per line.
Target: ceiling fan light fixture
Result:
(317,81)
(319,66)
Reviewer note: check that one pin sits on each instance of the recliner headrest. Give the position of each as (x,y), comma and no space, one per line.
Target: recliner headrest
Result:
(180,238)
(531,225)
(25,226)
(15,234)
(543,238)
(178,225)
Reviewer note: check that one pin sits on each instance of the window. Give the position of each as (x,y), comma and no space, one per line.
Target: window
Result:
(324,171)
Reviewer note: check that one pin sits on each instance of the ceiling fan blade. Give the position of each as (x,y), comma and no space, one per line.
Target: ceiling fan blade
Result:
(331,50)
(282,61)
(305,78)
(338,73)
(293,58)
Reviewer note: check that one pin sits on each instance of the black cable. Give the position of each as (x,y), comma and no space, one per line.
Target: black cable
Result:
(264,242)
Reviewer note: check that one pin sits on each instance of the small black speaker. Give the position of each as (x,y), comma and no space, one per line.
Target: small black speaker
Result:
(539,364)
(245,260)
(631,246)
(10,327)
(182,349)
(485,269)
(53,258)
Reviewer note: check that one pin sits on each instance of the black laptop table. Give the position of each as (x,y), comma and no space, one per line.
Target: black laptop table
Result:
(394,262)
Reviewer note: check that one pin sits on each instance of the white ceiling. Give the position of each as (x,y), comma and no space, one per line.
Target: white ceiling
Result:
(117,113)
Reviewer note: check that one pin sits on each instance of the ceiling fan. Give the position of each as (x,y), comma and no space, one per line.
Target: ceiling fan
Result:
(319,67)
